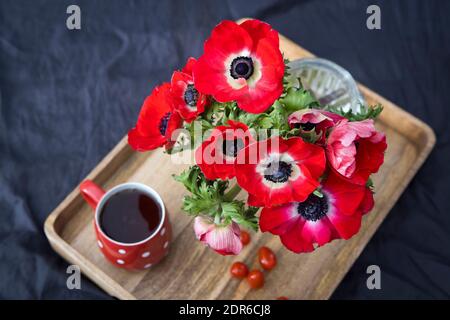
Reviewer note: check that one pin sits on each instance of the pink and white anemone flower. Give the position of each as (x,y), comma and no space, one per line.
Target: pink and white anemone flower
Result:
(356,149)
(224,239)
(308,120)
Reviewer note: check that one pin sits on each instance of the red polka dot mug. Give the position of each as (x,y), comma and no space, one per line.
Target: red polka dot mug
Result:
(118,232)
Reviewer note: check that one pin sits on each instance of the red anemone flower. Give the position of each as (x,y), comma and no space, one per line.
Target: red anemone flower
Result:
(368,202)
(217,154)
(156,122)
(186,98)
(318,220)
(356,149)
(278,171)
(242,63)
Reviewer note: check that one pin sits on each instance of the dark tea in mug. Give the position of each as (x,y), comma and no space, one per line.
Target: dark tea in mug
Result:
(130,216)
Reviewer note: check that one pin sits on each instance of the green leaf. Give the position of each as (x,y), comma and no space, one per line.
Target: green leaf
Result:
(366,112)
(279,116)
(235,211)
(189,178)
(297,99)
(369,184)
(213,111)
(308,136)
(206,195)
(250,212)
(264,121)
(250,119)
(194,205)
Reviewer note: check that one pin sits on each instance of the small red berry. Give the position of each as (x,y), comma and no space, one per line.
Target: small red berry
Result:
(255,279)
(245,237)
(239,270)
(267,258)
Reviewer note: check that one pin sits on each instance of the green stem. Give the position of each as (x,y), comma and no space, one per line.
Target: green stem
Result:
(232,192)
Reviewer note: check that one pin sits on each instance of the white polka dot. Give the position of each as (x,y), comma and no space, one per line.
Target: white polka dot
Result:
(146,254)
(166,244)
(121,251)
(163,231)
(100,244)
(148,265)
(119,261)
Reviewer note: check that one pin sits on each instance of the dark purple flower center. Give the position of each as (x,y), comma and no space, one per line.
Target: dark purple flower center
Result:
(191,95)
(308,126)
(241,67)
(230,148)
(314,208)
(278,172)
(163,123)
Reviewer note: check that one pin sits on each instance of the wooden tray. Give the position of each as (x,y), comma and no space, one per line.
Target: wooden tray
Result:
(192,271)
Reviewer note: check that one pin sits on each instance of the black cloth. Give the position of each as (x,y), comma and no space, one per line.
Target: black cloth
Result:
(67,97)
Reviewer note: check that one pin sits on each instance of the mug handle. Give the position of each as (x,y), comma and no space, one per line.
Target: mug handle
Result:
(91,192)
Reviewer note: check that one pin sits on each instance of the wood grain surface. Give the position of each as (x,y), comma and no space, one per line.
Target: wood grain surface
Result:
(191,271)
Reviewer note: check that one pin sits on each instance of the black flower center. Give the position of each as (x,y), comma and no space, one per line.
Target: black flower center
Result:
(230,148)
(314,208)
(308,126)
(241,67)
(163,123)
(191,95)
(278,172)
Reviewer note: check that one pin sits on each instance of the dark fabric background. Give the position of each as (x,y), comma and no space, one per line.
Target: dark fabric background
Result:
(67,97)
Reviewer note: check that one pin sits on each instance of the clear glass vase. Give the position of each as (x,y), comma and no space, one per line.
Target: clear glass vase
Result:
(331,84)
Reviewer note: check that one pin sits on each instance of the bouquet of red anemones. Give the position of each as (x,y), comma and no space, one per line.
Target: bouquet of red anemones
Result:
(307,166)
